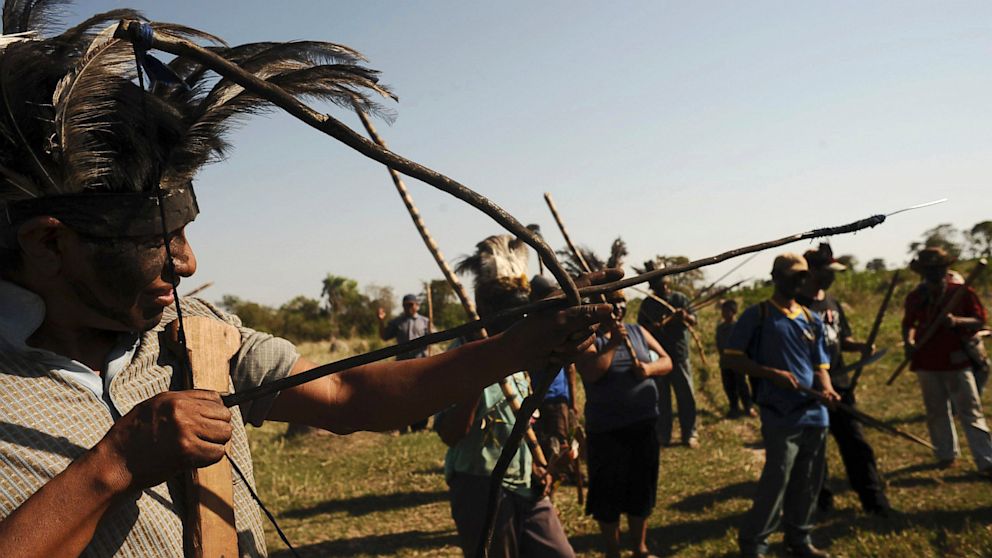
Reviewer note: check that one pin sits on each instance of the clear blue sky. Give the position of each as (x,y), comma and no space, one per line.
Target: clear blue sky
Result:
(688,128)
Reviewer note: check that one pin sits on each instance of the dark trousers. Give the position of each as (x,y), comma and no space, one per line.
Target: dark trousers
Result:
(524,528)
(553,426)
(678,380)
(735,386)
(858,458)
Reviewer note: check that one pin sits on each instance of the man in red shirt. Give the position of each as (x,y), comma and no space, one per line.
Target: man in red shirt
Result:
(941,363)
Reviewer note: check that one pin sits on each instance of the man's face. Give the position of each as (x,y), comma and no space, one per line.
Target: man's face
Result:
(934,276)
(126,284)
(728,312)
(662,287)
(823,277)
(788,284)
(411,308)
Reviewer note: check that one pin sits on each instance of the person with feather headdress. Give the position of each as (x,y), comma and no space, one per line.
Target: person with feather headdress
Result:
(95,193)
(621,420)
(476,428)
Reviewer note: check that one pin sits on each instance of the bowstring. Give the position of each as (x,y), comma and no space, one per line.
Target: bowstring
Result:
(141,45)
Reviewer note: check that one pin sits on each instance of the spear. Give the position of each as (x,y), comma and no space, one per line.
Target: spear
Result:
(875,327)
(556,302)
(456,285)
(946,309)
(707,288)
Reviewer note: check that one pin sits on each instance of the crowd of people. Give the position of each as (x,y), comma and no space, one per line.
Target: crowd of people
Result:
(783,356)
(101,422)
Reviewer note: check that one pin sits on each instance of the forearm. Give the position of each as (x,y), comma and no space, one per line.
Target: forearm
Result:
(659,367)
(741,363)
(388,395)
(61,518)
(592,366)
(823,379)
(457,422)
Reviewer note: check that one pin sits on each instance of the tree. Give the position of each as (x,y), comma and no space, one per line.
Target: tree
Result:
(350,311)
(448,311)
(980,239)
(875,265)
(944,236)
(848,260)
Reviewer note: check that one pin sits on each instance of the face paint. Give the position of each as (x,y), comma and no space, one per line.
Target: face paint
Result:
(128,281)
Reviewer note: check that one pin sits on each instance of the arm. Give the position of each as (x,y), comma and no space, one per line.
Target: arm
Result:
(387,395)
(592,365)
(384,332)
(739,362)
(455,423)
(822,376)
(659,367)
(160,437)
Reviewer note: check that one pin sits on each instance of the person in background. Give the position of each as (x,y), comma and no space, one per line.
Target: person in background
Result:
(857,454)
(781,345)
(405,327)
(734,384)
(621,420)
(674,337)
(942,364)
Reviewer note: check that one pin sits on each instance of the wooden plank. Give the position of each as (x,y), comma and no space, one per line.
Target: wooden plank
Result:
(210,529)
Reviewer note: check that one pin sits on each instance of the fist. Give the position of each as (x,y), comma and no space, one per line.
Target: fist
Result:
(171,432)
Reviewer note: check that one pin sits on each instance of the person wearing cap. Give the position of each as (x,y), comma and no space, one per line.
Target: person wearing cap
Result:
(855,451)
(782,346)
(674,337)
(942,364)
(621,420)
(407,326)
(96,193)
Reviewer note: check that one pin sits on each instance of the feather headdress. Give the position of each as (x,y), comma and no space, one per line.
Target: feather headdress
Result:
(74,122)
(499,265)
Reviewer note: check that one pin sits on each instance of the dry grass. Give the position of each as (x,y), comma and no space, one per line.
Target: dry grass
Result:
(384,495)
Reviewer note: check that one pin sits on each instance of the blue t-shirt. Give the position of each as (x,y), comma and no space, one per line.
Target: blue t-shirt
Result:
(558,388)
(792,342)
(619,399)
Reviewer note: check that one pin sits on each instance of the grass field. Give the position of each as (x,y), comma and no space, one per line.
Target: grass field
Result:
(384,495)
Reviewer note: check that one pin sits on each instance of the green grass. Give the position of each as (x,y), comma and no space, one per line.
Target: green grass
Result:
(384,495)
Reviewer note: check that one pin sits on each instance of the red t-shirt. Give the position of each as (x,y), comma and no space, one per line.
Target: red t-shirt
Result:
(944,351)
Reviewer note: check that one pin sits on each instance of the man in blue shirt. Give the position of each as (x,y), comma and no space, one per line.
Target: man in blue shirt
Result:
(781,345)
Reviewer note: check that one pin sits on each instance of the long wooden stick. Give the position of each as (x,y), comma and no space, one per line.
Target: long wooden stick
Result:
(129,30)
(456,285)
(933,327)
(867,419)
(875,327)
(628,344)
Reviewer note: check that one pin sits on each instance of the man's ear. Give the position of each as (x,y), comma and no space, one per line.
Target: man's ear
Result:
(39,240)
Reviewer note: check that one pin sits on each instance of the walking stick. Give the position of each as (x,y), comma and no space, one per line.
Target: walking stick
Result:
(944,310)
(875,327)
(456,285)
